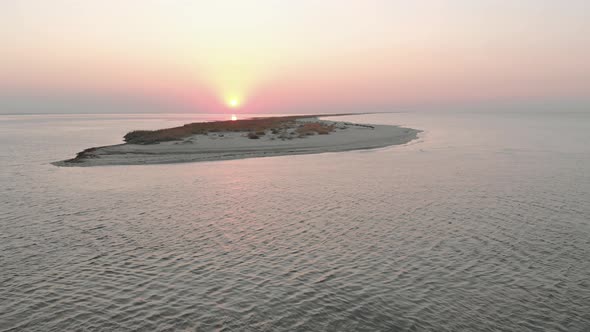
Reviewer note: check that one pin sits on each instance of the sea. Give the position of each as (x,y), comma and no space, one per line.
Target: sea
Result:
(481,224)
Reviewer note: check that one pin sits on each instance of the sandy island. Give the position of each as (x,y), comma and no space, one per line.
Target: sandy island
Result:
(251,138)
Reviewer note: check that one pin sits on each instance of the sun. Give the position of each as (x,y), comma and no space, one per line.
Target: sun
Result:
(234,102)
(234,117)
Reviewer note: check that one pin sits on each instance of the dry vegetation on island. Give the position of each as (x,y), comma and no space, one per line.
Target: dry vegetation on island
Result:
(255,128)
(312,128)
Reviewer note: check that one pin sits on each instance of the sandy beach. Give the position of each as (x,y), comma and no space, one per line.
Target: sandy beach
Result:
(226,145)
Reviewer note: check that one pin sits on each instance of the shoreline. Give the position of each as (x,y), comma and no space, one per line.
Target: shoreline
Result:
(251,138)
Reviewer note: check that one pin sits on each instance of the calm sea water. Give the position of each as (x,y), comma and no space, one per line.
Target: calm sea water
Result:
(481,225)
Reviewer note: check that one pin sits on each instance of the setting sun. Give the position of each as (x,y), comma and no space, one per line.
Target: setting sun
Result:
(234,102)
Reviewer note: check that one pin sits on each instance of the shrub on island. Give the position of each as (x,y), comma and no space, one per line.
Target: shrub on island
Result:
(258,126)
(312,128)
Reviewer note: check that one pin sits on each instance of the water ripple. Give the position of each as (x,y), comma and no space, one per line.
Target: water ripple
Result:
(461,237)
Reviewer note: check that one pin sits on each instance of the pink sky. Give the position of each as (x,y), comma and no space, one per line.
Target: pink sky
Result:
(290,56)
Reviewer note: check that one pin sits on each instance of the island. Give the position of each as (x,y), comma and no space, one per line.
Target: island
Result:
(237,139)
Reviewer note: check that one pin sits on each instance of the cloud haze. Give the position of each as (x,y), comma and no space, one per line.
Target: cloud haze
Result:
(291,56)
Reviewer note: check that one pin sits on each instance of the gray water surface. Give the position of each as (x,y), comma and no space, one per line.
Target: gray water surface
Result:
(483,224)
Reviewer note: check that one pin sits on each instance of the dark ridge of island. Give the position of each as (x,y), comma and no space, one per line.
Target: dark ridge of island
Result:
(237,139)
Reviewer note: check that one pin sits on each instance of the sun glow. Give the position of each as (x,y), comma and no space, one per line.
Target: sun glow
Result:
(234,117)
(233,102)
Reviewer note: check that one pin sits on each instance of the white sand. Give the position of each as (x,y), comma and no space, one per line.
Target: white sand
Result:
(235,145)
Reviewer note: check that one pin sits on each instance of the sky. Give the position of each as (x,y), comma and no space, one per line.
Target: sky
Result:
(305,56)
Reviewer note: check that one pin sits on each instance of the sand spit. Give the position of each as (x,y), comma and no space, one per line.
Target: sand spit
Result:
(302,135)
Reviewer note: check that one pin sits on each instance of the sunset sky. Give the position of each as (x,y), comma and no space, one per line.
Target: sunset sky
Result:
(291,56)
